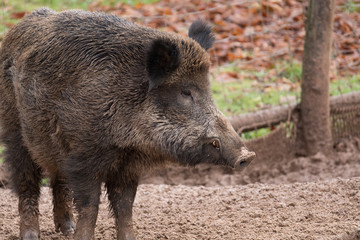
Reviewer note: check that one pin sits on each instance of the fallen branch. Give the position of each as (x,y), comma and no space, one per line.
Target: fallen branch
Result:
(274,116)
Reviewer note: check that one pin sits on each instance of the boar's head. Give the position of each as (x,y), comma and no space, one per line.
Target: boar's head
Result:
(185,122)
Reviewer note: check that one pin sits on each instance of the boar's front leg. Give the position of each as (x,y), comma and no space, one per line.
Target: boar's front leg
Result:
(87,205)
(121,194)
(80,172)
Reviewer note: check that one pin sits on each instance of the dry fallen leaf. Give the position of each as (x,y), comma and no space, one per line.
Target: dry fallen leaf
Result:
(17,15)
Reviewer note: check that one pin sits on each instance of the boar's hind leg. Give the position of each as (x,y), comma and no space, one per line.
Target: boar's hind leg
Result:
(62,200)
(25,177)
(121,196)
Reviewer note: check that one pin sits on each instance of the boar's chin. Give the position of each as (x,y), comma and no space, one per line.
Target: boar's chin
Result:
(187,163)
(191,158)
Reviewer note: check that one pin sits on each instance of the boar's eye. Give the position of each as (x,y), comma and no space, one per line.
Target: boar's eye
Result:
(187,93)
(216,144)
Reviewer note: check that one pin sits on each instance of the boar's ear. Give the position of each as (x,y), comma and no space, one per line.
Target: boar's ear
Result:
(201,32)
(163,57)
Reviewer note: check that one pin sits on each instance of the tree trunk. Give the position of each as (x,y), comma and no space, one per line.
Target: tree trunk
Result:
(314,134)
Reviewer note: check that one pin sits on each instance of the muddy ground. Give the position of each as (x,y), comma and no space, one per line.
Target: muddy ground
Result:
(301,198)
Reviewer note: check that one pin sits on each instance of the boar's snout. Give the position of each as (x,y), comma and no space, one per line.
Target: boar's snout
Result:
(244,159)
(228,144)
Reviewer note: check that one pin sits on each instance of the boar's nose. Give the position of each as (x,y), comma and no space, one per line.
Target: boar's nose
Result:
(244,159)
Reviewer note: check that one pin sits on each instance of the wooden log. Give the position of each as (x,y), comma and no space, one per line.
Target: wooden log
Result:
(273,116)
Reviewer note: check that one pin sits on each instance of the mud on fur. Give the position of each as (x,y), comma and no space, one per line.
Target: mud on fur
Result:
(89,98)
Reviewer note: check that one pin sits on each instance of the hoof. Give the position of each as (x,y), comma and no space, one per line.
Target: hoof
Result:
(30,235)
(67,228)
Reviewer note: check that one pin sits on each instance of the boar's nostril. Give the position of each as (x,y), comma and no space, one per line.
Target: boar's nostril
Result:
(242,163)
(245,159)
(216,144)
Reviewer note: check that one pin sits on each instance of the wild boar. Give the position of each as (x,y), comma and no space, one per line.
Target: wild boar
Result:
(90,98)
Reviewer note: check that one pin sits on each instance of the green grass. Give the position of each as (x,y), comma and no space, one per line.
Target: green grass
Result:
(2,148)
(241,97)
(351,6)
(289,69)
(255,134)
(45,182)
(345,85)
(258,89)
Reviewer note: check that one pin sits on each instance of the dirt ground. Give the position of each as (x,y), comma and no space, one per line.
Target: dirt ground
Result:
(301,198)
